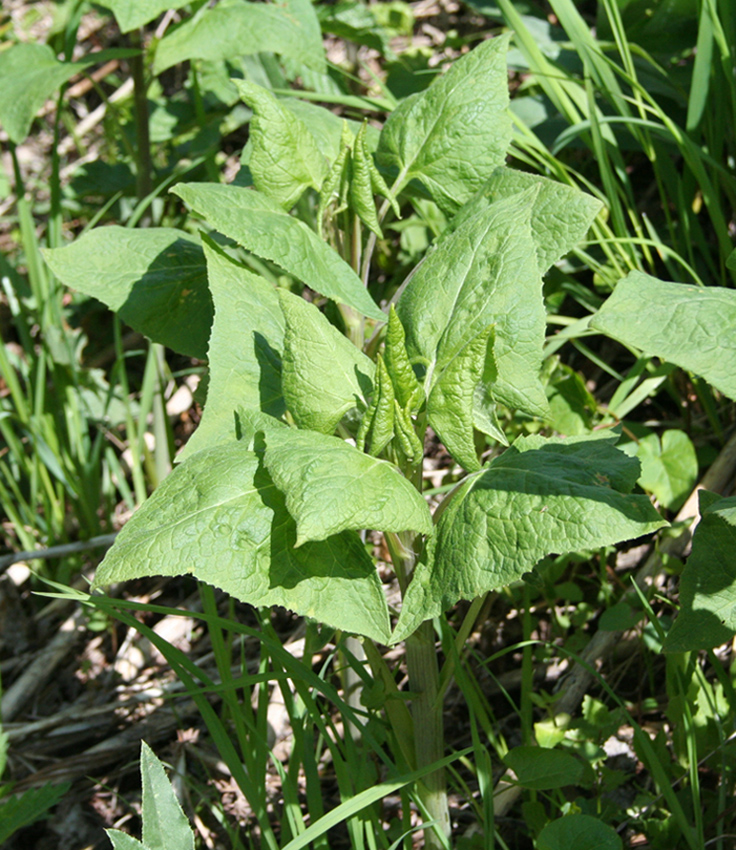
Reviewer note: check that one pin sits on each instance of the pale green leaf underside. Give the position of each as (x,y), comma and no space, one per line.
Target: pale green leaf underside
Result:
(692,327)
(707,615)
(330,486)
(452,135)
(284,159)
(540,496)
(323,374)
(219,517)
(260,225)
(154,278)
(561,215)
(484,274)
(238,28)
(131,14)
(164,824)
(244,351)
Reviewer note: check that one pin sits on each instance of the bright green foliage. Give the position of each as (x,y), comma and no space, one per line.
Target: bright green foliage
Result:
(239,28)
(485,273)
(285,158)
(680,323)
(583,832)
(155,279)
(324,375)
(259,224)
(28,807)
(165,825)
(453,135)
(539,496)
(131,14)
(407,389)
(669,467)
(31,74)
(560,218)
(220,517)
(708,585)
(450,406)
(247,374)
(331,486)
(542,769)
(377,425)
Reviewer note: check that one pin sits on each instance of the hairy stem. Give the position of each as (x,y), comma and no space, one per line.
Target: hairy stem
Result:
(429,738)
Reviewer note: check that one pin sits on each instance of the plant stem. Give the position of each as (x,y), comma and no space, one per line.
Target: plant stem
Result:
(429,738)
(144,167)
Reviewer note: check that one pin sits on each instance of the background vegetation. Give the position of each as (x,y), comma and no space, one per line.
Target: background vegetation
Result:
(104,108)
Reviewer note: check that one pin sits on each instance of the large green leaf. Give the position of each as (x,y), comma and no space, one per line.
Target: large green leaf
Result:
(484,274)
(155,278)
(455,133)
(31,74)
(583,832)
(330,486)
(131,14)
(561,215)
(540,496)
(691,326)
(219,517)
(244,350)
(323,374)
(259,224)
(235,28)
(285,158)
(707,615)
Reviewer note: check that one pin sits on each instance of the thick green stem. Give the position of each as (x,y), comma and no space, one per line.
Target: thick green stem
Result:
(429,737)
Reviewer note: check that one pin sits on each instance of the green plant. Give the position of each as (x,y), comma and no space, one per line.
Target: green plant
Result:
(165,825)
(19,810)
(309,437)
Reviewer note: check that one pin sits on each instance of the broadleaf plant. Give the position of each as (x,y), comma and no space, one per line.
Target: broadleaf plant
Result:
(320,401)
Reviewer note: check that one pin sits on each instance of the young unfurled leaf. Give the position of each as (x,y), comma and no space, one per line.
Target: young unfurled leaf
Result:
(337,178)
(285,159)
(450,406)
(323,374)
(407,388)
(331,486)
(244,350)
(540,496)
(377,426)
(260,225)
(455,133)
(406,436)
(484,274)
(361,186)
(219,517)
(677,322)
